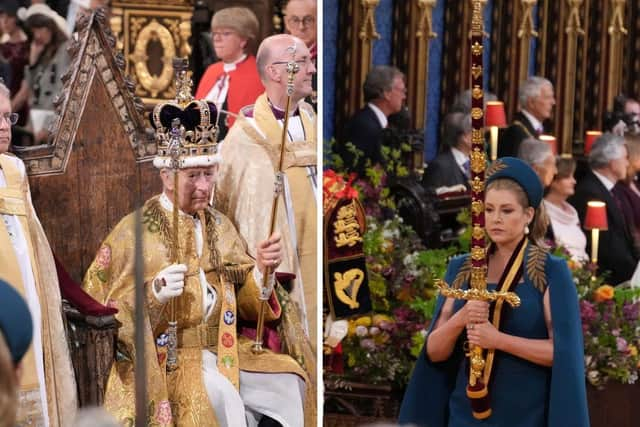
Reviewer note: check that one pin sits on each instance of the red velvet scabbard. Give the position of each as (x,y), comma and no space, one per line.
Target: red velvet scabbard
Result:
(479,398)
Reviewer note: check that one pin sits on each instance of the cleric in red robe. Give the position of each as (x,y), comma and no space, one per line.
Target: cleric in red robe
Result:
(232,82)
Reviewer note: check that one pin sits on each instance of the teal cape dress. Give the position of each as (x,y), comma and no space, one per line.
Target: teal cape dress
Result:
(522,393)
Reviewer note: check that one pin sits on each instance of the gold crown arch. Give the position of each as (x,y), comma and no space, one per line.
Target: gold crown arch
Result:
(477,389)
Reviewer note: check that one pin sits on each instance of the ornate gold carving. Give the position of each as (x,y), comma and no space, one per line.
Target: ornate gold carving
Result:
(617,17)
(477,23)
(477,185)
(477,207)
(477,92)
(477,136)
(425,23)
(347,285)
(477,294)
(476,49)
(184,28)
(478,232)
(477,253)
(368,28)
(476,113)
(478,161)
(346,228)
(573,21)
(479,277)
(536,259)
(476,71)
(526,25)
(154,31)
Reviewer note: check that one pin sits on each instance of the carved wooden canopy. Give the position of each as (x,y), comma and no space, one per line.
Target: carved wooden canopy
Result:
(93,63)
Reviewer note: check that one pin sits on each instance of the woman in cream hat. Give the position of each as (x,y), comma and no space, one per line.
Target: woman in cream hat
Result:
(48,61)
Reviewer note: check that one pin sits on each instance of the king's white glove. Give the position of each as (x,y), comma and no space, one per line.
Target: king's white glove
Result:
(169,283)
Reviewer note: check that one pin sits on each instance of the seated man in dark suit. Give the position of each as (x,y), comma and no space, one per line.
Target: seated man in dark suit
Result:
(608,162)
(536,100)
(451,166)
(384,92)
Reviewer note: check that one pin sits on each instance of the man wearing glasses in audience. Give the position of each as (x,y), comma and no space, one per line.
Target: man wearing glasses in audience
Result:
(251,151)
(300,21)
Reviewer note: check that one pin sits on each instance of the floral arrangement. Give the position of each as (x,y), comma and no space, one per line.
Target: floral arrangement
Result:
(382,346)
(610,325)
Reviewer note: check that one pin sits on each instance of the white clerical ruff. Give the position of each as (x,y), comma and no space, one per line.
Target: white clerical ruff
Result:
(219,91)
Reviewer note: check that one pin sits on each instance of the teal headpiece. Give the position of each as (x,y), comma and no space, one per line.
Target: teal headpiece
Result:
(15,321)
(520,172)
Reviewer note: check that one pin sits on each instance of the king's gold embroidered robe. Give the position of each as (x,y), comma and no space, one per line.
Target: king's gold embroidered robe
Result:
(179,398)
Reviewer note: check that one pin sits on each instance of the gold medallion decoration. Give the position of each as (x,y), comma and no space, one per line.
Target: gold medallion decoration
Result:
(477,207)
(477,113)
(477,185)
(478,232)
(478,161)
(476,49)
(477,136)
(477,253)
(476,92)
(476,70)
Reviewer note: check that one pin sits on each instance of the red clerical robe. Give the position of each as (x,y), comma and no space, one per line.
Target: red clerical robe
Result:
(244,84)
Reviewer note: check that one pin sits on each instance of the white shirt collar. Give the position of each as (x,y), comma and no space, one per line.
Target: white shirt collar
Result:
(379,114)
(537,124)
(604,180)
(460,157)
(232,65)
(167,204)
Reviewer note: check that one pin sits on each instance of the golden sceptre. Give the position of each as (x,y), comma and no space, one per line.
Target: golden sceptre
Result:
(292,69)
(172,330)
(477,389)
(183,89)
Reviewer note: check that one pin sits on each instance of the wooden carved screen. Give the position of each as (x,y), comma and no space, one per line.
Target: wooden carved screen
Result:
(97,165)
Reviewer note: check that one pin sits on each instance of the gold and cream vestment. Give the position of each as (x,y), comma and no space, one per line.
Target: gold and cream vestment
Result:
(48,391)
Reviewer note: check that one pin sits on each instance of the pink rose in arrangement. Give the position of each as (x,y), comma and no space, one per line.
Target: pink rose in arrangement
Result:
(163,412)
(104,257)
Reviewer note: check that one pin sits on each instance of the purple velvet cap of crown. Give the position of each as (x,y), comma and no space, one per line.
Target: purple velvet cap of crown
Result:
(189,116)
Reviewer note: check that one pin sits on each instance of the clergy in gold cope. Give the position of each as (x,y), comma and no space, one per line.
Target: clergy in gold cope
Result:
(251,151)
(214,285)
(47,390)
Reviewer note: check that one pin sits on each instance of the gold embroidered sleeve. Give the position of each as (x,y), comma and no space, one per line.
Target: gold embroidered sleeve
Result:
(249,303)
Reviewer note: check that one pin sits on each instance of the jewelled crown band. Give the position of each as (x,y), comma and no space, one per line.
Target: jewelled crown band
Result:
(185,129)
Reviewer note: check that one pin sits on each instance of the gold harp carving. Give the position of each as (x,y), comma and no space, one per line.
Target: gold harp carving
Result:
(525,33)
(347,285)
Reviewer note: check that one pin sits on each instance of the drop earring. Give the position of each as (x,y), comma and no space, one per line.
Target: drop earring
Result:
(526,230)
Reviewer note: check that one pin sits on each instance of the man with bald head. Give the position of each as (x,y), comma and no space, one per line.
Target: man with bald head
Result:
(252,151)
